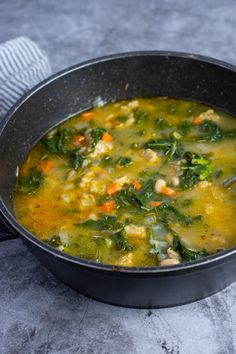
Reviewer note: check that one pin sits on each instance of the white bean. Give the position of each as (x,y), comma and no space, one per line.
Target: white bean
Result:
(160,183)
(168,262)
(175,181)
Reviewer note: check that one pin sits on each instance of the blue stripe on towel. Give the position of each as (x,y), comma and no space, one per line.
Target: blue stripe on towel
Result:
(22,66)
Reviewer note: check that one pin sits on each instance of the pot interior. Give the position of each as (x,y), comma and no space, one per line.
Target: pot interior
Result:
(111,79)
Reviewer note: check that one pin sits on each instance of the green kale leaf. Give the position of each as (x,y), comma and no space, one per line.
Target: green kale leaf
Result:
(195,168)
(30,183)
(170,147)
(186,253)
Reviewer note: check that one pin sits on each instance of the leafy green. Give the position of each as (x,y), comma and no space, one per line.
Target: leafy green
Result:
(170,147)
(161,123)
(130,197)
(231,134)
(121,242)
(167,213)
(140,116)
(186,253)
(76,159)
(104,223)
(110,225)
(30,183)
(96,135)
(195,168)
(56,143)
(185,127)
(124,161)
(141,198)
(126,197)
(158,247)
(146,194)
(211,131)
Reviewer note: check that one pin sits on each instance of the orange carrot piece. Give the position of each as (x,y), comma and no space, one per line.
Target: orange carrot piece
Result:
(47,166)
(168,191)
(137,184)
(107,206)
(87,116)
(78,139)
(107,137)
(197,120)
(113,188)
(155,204)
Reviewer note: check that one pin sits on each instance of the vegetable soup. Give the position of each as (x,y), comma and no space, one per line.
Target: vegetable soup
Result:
(133,183)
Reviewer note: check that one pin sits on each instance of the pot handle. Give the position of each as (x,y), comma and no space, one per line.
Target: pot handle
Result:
(6,231)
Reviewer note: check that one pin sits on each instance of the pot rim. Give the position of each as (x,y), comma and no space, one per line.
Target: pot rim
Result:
(169,270)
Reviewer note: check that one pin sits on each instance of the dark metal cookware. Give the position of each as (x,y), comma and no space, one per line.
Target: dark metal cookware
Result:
(122,76)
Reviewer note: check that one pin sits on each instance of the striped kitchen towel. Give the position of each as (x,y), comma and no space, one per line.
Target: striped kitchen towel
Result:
(22,66)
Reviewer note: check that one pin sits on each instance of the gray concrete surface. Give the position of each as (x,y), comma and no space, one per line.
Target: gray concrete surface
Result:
(38,314)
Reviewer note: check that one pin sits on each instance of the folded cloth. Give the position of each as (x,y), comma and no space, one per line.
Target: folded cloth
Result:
(22,66)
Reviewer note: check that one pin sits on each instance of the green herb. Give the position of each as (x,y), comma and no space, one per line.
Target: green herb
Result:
(210,131)
(186,253)
(140,116)
(124,161)
(121,242)
(96,135)
(185,127)
(195,168)
(30,183)
(161,123)
(170,147)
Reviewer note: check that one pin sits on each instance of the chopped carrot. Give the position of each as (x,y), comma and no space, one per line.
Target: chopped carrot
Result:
(197,120)
(78,139)
(137,184)
(168,191)
(107,206)
(113,188)
(87,116)
(107,137)
(155,204)
(47,165)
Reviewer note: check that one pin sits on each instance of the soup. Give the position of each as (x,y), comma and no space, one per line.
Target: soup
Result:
(133,183)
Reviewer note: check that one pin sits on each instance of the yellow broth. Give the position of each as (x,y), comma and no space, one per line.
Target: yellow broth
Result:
(133,183)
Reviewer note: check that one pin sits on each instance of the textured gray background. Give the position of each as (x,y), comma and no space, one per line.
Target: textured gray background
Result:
(38,314)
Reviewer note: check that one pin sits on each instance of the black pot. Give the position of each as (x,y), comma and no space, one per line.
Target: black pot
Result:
(122,76)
